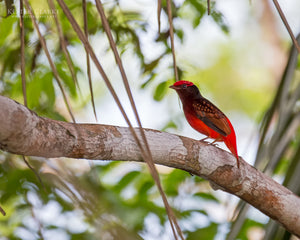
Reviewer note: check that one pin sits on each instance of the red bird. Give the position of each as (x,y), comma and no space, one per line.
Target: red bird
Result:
(205,117)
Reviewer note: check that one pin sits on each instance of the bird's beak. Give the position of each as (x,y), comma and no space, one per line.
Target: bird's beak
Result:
(173,87)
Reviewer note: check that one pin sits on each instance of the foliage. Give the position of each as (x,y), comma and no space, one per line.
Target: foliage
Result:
(107,198)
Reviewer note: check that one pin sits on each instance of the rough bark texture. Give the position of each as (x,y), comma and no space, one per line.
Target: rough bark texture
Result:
(23,132)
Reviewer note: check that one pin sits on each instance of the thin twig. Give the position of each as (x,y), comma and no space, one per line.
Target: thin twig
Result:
(158,14)
(208,7)
(63,44)
(22,39)
(93,56)
(148,158)
(54,70)
(85,26)
(34,171)
(285,22)
(169,9)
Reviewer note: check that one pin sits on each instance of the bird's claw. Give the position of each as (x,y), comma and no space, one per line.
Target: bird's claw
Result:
(210,143)
(204,140)
(214,144)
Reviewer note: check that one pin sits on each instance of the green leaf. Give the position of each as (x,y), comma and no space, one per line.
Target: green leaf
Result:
(187,213)
(66,77)
(219,19)
(248,224)
(148,67)
(170,125)
(126,180)
(150,78)
(40,90)
(196,21)
(180,34)
(6,28)
(200,6)
(172,181)
(161,90)
(207,196)
(206,233)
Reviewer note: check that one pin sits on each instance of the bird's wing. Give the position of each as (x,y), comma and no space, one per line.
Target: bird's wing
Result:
(212,117)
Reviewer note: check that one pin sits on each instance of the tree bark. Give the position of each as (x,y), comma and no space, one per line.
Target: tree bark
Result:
(24,132)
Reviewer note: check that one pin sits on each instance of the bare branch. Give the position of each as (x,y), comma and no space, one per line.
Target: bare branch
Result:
(23,132)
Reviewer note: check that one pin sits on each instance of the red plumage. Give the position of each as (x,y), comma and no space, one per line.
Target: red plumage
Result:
(205,117)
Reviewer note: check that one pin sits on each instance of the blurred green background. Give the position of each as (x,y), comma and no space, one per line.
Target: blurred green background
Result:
(237,56)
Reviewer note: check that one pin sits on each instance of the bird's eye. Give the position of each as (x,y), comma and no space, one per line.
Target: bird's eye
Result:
(184,86)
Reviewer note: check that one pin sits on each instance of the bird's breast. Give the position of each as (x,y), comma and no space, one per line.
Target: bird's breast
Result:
(200,126)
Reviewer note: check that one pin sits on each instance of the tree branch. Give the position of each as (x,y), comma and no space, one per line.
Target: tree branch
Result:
(23,132)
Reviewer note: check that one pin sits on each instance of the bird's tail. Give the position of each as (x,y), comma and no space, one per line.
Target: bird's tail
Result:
(230,141)
(232,147)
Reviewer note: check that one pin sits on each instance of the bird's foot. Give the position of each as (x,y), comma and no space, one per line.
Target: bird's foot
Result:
(204,140)
(214,143)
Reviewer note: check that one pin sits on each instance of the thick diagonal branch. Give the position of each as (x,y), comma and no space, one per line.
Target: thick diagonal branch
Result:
(23,132)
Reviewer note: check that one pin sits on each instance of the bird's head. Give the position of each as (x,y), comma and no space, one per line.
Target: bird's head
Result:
(186,88)
(182,84)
